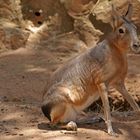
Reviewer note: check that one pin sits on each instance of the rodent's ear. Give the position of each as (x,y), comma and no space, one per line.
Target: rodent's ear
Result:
(128,14)
(116,18)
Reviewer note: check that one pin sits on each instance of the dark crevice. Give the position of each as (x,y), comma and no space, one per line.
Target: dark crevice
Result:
(37,14)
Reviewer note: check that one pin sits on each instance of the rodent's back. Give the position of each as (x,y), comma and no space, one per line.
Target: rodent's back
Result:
(82,66)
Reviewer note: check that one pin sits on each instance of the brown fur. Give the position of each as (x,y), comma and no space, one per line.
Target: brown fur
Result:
(84,79)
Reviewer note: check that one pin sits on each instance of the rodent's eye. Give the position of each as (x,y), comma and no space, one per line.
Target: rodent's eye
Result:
(121,31)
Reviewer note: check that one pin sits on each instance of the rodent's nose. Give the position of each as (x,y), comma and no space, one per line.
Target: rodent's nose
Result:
(136,47)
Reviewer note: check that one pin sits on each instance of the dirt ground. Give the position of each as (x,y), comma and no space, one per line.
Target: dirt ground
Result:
(23,75)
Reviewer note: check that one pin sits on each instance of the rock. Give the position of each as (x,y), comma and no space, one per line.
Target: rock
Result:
(103,10)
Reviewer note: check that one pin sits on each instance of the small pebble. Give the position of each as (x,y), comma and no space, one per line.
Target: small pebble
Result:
(21,134)
(14,134)
(16,128)
(88,137)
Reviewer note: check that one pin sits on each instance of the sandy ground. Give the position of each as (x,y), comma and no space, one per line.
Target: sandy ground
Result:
(23,75)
